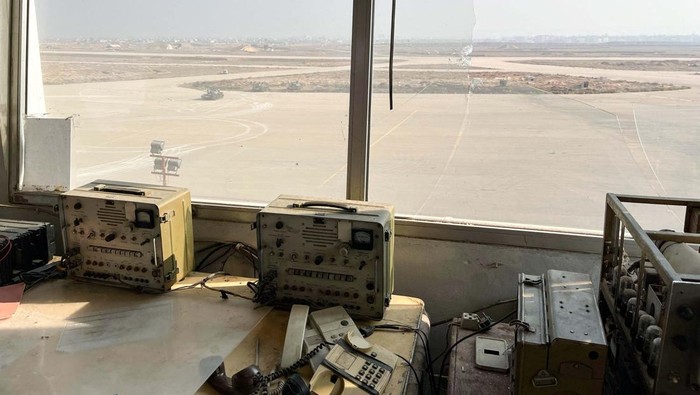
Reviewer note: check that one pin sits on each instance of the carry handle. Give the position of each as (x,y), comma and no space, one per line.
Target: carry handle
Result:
(122,190)
(325,204)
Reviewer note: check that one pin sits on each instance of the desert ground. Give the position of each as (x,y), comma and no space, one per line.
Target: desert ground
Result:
(524,135)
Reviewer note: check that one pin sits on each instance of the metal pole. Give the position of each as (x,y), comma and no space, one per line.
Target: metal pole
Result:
(360,99)
(18,12)
(162,161)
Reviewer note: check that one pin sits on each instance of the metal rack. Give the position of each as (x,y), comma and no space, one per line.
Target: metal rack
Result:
(672,296)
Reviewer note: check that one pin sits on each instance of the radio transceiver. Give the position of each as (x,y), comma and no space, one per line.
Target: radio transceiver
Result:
(128,235)
(327,253)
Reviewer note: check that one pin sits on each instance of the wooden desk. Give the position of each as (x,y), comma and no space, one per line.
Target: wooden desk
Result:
(269,337)
(464,377)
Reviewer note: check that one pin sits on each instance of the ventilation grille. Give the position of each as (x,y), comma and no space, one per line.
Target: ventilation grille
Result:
(320,235)
(111,215)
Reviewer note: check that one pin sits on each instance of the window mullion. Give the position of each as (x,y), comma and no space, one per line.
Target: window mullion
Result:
(360,99)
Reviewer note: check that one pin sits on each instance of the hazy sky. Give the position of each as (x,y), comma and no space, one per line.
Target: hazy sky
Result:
(332,18)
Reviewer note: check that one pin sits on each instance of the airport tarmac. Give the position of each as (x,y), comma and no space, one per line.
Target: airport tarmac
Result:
(539,159)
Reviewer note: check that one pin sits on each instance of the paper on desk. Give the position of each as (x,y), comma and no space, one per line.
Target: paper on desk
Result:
(10,297)
(109,328)
(81,338)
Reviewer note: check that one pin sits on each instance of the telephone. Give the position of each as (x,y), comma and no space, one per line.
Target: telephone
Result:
(333,323)
(303,334)
(343,361)
(354,366)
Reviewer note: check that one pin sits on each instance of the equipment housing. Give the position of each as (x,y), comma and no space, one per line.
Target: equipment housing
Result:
(327,253)
(128,235)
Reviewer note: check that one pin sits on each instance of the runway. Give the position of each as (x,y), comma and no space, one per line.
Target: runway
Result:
(537,159)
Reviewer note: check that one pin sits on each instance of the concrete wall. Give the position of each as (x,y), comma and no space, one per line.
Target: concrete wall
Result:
(452,278)
(459,277)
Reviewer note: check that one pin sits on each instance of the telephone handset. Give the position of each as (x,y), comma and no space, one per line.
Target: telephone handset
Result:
(354,366)
(294,338)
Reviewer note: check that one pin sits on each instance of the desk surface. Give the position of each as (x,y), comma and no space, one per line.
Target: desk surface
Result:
(268,339)
(71,338)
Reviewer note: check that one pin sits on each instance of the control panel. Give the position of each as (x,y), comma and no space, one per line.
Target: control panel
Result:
(327,253)
(128,235)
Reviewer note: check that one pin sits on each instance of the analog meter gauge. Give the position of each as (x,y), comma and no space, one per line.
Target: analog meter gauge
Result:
(362,239)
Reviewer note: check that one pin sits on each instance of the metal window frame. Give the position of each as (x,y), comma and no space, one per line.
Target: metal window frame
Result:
(17,110)
(577,240)
(17,101)
(225,216)
(360,99)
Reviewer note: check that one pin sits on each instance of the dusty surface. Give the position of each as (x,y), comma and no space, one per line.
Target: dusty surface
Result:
(691,65)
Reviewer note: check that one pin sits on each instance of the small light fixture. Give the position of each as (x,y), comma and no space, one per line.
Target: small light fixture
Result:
(173,165)
(157,147)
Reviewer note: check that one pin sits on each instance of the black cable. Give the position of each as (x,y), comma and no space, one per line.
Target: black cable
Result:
(227,254)
(436,387)
(32,278)
(429,368)
(251,254)
(500,302)
(261,381)
(423,338)
(212,252)
(420,383)
(391,55)
(474,333)
(210,246)
(245,250)
(203,284)
(484,329)
(265,289)
(447,333)
(224,293)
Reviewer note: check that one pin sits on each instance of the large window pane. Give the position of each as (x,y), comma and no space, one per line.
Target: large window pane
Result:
(277,72)
(556,105)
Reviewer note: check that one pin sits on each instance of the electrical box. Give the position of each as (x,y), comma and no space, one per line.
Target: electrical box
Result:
(128,235)
(327,253)
(560,345)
